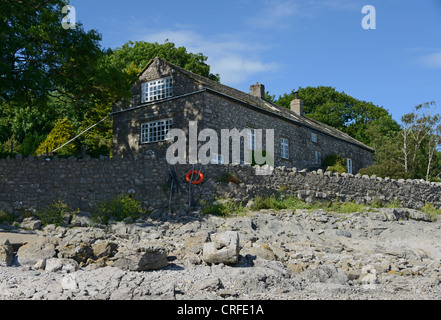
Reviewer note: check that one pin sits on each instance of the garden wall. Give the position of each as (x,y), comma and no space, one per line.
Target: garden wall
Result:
(32,184)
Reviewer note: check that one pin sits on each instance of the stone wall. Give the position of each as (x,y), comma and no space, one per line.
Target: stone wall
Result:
(34,183)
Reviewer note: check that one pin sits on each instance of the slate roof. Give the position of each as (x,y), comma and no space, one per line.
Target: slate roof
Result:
(266,106)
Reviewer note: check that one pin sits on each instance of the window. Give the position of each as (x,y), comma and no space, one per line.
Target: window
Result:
(155,131)
(314,137)
(285,148)
(318,158)
(349,165)
(217,158)
(157,89)
(252,139)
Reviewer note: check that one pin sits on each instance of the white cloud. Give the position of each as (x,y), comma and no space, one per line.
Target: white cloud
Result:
(234,59)
(432,61)
(280,14)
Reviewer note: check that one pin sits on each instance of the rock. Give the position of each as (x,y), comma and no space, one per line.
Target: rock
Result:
(6,253)
(141,259)
(40,264)
(414,214)
(344,233)
(224,248)
(263,251)
(40,248)
(326,274)
(69,282)
(63,265)
(81,219)
(17,239)
(368,277)
(104,249)
(78,251)
(30,223)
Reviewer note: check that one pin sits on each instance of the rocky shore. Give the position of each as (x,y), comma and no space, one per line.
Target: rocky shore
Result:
(264,255)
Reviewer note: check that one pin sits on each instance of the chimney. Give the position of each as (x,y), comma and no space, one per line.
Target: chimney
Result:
(258,90)
(297,105)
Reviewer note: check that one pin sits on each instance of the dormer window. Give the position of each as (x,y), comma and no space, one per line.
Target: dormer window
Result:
(157,89)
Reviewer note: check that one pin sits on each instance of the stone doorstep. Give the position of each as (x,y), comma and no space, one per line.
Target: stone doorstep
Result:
(17,239)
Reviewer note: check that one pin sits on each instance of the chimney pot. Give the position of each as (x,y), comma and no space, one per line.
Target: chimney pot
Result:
(297,105)
(258,90)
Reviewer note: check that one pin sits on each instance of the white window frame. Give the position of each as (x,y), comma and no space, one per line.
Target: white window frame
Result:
(349,165)
(252,139)
(156,131)
(284,145)
(314,137)
(217,158)
(156,89)
(318,157)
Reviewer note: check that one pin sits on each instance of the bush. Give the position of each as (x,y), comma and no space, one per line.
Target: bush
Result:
(224,208)
(56,213)
(119,209)
(263,153)
(431,210)
(228,177)
(62,132)
(335,163)
(277,203)
(31,143)
(386,168)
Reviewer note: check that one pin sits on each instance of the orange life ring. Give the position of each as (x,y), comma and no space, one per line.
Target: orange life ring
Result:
(188,177)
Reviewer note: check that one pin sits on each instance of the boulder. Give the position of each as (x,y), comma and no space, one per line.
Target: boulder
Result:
(78,251)
(104,249)
(224,248)
(141,258)
(30,223)
(40,248)
(6,254)
(63,265)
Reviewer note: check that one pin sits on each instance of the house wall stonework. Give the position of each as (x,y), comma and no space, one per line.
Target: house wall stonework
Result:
(211,109)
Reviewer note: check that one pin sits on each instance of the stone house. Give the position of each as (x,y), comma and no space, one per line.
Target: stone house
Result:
(168,96)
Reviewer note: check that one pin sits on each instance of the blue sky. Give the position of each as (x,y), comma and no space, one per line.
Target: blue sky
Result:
(286,44)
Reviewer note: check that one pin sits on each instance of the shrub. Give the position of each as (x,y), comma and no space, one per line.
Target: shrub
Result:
(273,202)
(31,143)
(119,208)
(228,177)
(263,153)
(387,168)
(431,210)
(56,213)
(335,163)
(224,208)
(6,218)
(62,132)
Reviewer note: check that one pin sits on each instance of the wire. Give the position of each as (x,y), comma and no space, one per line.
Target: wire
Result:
(109,115)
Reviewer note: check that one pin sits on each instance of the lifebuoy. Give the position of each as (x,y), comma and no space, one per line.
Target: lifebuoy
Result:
(199,181)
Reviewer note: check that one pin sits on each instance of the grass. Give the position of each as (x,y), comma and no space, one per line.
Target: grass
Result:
(224,207)
(118,208)
(227,208)
(431,210)
(55,213)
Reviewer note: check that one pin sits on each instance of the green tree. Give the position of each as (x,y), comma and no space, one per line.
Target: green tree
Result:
(339,110)
(38,56)
(420,139)
(140,53)
(62,132)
